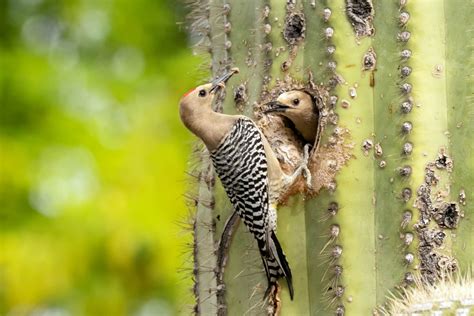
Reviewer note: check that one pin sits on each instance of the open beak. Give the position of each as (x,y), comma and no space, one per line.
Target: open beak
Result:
(220,82)
(275,106)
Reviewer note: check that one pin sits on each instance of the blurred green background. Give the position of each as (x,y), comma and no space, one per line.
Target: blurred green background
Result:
(93,157)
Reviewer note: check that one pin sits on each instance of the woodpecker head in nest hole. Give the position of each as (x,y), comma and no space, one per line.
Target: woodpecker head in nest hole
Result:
(301,109)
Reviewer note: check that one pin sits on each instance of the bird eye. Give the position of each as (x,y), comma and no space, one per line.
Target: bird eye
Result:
(202,93)
(296,101)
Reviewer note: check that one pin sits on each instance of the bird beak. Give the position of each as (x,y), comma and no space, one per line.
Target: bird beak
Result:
(275,106)
(220,82)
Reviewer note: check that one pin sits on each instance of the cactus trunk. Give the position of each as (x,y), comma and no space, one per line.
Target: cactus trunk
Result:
(392,200)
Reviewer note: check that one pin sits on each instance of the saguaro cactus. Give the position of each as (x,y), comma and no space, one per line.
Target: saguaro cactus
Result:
(391,204)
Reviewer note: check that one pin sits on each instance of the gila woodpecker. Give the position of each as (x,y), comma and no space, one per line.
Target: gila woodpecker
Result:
(299,107)
(248,169)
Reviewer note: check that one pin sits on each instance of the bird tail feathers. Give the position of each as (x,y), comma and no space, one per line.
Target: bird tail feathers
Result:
(276,265)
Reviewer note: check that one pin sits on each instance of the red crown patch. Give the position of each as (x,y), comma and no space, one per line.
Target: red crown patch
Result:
(189,92)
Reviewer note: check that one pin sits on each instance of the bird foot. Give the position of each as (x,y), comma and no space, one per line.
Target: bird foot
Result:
(304,166)
(301,169)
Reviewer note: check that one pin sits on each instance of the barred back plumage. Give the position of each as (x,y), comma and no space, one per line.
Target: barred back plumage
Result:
(241,164)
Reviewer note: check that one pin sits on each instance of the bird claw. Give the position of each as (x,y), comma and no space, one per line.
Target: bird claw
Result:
(305,170)
(302,169)
(222,85)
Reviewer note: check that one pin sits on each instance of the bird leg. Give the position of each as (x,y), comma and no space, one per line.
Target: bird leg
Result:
(302,169)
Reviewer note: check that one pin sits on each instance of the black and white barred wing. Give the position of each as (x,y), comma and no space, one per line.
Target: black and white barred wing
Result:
(241,164)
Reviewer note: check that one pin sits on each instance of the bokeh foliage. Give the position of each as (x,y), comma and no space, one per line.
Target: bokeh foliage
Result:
(93,157)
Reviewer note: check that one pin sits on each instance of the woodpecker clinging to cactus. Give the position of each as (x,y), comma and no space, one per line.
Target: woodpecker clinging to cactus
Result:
(301,108)
(248,169)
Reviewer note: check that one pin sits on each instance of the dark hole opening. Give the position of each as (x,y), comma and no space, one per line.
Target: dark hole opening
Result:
(294,28)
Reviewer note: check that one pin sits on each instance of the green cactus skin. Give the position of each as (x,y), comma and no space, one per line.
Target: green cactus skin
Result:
(459,96)
(373,234)
(204,241)
(388,118)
